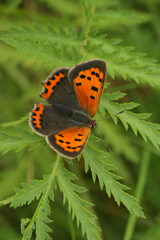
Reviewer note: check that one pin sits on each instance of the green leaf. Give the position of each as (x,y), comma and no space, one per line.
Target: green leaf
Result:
(49,46)
(95,160)
(123,61)
(120,142)
(135,120)
(40,219)
(62,47)
(115,19)
(28,193)
(18,140)
(76,204)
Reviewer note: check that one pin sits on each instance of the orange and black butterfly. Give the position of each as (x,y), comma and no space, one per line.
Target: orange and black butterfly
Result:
(73,96)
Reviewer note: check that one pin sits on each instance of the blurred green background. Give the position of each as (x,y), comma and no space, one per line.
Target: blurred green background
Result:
(137,23)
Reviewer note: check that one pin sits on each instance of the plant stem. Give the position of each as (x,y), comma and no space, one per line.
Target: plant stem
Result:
(71,228)
(139,192)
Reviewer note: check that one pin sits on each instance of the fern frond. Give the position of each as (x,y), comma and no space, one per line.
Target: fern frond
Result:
(76,204)
(18,140)
(123,61)
(121,143)
(95,160)
(136,121)
(62,47)
(50,46)
(29,193)
(60,36)
(115,18)
(40,219)
(26,195)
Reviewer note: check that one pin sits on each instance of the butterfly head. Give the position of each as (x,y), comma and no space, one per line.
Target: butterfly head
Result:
(93,123)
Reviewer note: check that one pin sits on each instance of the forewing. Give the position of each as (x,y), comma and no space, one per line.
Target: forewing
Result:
(58,91)
(70,142)
(89,80)
(52,81)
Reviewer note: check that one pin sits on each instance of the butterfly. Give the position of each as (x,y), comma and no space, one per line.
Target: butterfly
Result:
(73,95)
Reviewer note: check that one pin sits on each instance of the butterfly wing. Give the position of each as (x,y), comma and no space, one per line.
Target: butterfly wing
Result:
(89,80)
(45,120)
(57,90)
(52,81)
(69,142)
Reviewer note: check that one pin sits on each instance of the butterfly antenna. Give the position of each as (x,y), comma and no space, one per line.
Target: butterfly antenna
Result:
(101,138)
(110,116)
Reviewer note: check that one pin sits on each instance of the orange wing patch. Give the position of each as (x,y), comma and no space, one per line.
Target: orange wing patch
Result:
(88,87)
(72,139)
(50,84)
(36,116)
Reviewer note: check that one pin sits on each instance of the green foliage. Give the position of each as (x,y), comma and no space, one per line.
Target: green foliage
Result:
(43,189)
(77,205)
(136,121)
(85,30)
(63,46)
(115,19)
(96,162)
(19,139)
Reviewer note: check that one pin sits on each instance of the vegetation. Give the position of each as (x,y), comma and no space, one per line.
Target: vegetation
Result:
(101,195)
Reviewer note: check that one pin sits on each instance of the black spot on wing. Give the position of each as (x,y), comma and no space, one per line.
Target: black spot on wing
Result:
(82,76)
(60,135)
(78,139)
(78,84)
(48,83)
(92,97)
(97,75)
(94,88)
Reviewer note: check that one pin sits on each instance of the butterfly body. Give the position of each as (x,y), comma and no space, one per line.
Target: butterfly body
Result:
(73,96)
